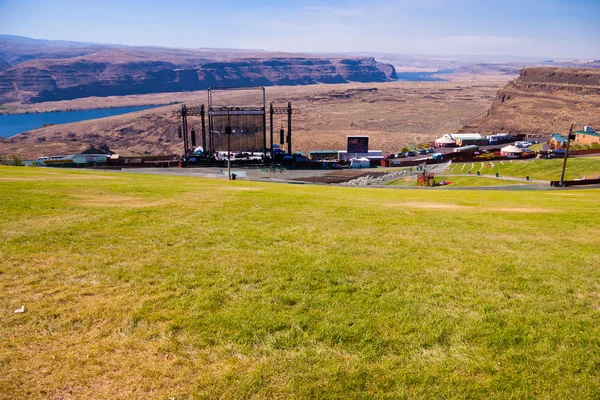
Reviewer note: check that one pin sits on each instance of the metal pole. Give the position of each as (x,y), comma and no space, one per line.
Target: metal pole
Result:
(184,131)
(289,128)
(264,110)
(202,114)
(210,123)
(564,167)
(228,130)
(271,111)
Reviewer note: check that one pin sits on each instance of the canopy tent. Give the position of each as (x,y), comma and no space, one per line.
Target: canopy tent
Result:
(510,150)
(445,142)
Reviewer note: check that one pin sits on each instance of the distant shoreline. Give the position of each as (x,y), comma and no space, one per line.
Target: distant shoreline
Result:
(12,125)
(22,109)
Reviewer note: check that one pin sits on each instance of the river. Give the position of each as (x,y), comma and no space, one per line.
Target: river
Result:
(13,124)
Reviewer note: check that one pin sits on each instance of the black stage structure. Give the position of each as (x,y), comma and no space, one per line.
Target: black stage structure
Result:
(236,128)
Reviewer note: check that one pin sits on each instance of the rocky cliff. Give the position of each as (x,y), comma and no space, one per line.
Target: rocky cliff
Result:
(543,101)
(77,72)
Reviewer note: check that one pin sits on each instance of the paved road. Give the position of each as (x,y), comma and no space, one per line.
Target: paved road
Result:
(221,173)
(446,150)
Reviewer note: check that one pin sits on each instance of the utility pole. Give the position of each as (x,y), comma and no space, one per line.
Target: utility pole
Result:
(184,129)
(271,111)
(228,132)
(289,135)
(202,114)
(564,167)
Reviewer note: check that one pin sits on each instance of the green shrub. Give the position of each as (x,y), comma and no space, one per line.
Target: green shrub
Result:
(17,161)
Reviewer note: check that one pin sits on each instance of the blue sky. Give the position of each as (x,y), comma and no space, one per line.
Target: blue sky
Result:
(551,28)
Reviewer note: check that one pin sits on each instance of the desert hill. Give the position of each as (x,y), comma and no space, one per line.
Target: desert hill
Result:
(392,113)
(47,71)
(543,101)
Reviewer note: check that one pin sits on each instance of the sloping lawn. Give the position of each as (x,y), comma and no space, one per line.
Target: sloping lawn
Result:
(458,181)
(142,286)
(536,169)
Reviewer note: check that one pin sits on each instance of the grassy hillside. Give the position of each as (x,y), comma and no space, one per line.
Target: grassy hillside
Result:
(140,286)
(535,169)
(460,181)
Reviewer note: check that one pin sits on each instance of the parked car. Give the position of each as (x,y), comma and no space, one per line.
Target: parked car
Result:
(430,150)
(421,152)
(400,155)
(411,154)
(523,145)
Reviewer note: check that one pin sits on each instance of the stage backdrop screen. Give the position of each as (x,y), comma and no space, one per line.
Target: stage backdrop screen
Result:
(247,130)
(358,144)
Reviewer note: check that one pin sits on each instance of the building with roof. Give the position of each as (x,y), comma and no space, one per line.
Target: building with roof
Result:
(371,155)
(444,141)
(587,137)
(467,149)
(511,150)
(72,160)
(558,141)
(500,138)
(465,139)
(324,154)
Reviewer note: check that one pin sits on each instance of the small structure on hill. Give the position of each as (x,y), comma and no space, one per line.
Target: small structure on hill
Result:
(362,162)
(324,154)
(587,136)
(511,151)
(558,141)
(471,149)
(445,141)
(500,138)
(426,179)
(465,139)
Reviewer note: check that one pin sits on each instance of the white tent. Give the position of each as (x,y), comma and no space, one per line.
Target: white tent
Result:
(510,150)
(360,163)
(445,141)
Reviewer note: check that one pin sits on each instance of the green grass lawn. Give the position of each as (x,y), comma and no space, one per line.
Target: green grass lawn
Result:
(536,169)
(457,181)
(143,286)
(469,181)
(537,147)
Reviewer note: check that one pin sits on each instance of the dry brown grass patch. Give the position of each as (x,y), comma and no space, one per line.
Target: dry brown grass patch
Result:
(430,206)
(107,200)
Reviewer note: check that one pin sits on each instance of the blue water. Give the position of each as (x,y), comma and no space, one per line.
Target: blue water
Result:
(13,124)
(422,76)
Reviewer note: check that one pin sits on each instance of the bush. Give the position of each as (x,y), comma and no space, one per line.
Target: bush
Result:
(17,161)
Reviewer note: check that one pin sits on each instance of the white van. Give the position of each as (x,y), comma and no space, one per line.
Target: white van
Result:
(523,145)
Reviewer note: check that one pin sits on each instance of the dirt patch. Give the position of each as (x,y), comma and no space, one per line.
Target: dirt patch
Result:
(104,200)
(241,188)
(20,179)
(430,206)
(55,176)
(522,210)
(85,177)
(441,206)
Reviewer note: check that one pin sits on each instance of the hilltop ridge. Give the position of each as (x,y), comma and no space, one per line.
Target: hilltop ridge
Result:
(34,71)
(543,100)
